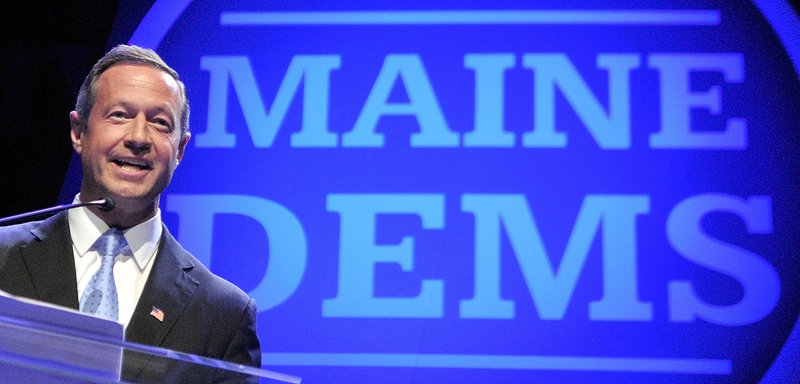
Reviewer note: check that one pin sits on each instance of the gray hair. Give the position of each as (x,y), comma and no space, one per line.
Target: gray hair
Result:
(126,54)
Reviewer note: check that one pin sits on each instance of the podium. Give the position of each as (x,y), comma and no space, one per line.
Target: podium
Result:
(44,343)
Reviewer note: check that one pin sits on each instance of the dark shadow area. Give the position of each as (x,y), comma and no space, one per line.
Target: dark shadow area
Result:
(48,47)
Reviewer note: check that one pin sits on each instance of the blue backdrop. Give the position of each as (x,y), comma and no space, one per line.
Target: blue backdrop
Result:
(505,191)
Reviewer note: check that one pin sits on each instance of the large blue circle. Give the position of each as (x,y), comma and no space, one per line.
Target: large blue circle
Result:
(554,180)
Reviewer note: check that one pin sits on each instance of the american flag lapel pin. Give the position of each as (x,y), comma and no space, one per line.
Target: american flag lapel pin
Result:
(157,313)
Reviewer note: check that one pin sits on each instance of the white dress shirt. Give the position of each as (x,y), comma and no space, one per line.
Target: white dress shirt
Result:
(131,267)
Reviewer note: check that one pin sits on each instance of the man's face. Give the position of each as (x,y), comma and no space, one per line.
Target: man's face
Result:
(133,142)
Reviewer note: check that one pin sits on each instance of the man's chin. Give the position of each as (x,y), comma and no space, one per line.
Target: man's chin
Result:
(129,196)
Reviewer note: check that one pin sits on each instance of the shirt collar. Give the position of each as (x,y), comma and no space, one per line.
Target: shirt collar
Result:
(143,239)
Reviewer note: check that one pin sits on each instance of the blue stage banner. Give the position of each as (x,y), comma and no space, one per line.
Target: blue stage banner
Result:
(496,191)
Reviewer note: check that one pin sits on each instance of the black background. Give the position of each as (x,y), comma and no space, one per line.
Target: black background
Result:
(48,48)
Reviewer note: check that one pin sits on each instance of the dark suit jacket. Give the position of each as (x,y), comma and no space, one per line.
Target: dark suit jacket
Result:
(203,314)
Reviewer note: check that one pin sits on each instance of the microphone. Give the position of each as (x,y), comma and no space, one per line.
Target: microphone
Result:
(105,204)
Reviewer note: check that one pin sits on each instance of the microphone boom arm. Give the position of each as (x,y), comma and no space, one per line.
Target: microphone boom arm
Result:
(104,204)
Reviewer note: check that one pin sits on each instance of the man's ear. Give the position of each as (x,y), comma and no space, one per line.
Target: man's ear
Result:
(182,145)
(75,131)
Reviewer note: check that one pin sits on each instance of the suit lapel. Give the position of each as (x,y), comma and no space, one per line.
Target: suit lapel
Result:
(50,262)
(169,288)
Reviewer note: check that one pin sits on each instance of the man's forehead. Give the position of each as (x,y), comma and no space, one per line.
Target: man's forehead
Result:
(136,76)
(126,69)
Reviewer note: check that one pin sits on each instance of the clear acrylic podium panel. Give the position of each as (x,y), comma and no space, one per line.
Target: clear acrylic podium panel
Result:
(42,343)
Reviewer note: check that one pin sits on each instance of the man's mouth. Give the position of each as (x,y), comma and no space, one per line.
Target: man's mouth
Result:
(132,164)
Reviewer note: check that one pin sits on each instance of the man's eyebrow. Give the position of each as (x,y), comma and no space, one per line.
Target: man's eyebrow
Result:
(165,108)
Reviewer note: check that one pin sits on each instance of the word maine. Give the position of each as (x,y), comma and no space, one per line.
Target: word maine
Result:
(552,73)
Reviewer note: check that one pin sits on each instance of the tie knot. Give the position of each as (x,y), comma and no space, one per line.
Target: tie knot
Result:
(110,243)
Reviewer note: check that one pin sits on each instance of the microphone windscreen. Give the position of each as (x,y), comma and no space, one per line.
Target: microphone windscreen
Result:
(108,205)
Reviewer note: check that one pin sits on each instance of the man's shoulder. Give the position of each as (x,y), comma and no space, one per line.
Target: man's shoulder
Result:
(217,285)
(14,234)
(13,237)
(214,287)
(17,235)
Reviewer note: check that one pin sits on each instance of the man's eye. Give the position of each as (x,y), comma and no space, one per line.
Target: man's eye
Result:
(163,123)
(118,114)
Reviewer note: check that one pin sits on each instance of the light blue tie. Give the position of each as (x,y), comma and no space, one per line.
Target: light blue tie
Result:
(100,296)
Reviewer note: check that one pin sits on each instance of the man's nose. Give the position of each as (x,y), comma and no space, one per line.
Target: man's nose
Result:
(138,138)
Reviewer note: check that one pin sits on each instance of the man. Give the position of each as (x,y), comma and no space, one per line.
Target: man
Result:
(130,128)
